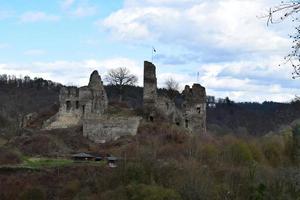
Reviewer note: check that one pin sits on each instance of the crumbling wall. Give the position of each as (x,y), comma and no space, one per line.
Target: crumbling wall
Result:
(77,104)
(150,90)
(87,106)
(191,115)
(109,128)
(194,108)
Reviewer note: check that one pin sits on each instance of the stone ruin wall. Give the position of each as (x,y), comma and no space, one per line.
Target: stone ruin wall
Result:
(110,128)
(192,113)
(87,106)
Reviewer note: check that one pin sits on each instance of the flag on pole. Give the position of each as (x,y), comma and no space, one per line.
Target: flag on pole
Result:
(153,51)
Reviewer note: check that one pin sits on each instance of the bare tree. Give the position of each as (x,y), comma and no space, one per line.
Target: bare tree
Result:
(172,86)
(120,77)
(279,13)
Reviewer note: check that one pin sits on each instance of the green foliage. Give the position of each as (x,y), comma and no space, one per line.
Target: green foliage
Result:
(160,166)
(296,144)
(296,130)
(70,189)
(33,194)
(9,156)
(150,192)
(135,173)
(209,153)
(238,153)
(273,148)
(46,163)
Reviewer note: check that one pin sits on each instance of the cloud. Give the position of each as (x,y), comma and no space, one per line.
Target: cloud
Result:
(235,84)
(216,24)
(34,52)
(4,45)
(67,3)
(4,14)
(84,11)
(38,17)
(67,72)
(79,8)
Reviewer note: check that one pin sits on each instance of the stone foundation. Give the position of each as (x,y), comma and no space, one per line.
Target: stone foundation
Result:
(110,128)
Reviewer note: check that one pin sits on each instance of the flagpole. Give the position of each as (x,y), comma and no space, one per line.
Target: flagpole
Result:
(152,55)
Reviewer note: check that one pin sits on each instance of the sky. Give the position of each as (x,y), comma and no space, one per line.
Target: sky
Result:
(226,42)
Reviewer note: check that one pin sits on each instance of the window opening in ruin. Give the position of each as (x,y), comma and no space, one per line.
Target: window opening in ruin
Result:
(83,109)
(167,104)
(151,118)
(186,123)
(177,123)
(68,104)
(77,92)
(199,110)
(77,104)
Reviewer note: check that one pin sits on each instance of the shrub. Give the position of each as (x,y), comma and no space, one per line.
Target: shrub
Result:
(273,148)
(151,192)
(33,194)
(238,153)
(209,152)
(9,156)
(135,173)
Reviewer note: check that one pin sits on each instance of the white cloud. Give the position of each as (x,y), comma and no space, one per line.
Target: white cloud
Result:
(73,72)
(79,8)
(4,46)
(233,85)
(38,16)
(4,14)
(219,23)
(84,11)
(67,3)
(34,52)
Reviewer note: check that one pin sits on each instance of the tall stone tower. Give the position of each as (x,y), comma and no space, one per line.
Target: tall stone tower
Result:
(194,108)
(150,89)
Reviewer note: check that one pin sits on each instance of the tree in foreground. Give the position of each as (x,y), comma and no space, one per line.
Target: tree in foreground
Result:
(172,86)
(120,77)
(281,12)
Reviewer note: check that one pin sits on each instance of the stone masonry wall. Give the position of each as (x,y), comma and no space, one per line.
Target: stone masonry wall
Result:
(110,128)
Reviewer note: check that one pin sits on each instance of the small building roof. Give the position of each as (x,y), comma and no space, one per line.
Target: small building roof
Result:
(82,155)
(112,158)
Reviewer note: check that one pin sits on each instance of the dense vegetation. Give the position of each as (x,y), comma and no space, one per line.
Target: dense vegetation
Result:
(163,162)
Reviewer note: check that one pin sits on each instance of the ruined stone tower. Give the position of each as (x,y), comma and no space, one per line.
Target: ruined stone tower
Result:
(194,108)
(78,104)
(191,115)
(150,89)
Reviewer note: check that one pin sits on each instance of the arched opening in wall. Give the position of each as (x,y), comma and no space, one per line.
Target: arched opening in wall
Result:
(77,104)
(68,105)
(199,110)
(167,104)
(177,123)
(77,92)
(186,123)
(151,118)
(83,109)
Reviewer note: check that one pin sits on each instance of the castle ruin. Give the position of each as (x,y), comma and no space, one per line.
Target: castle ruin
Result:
(191,114)
(88,107)
(79,104)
